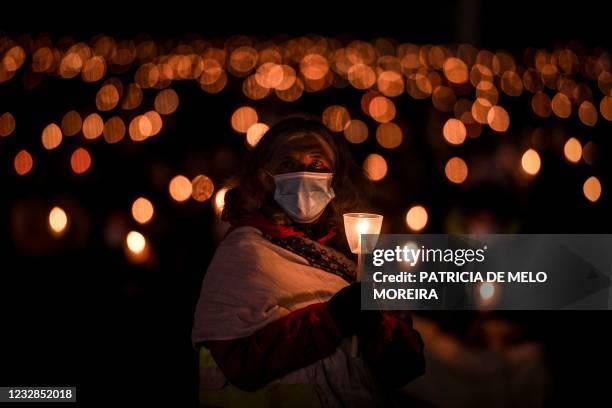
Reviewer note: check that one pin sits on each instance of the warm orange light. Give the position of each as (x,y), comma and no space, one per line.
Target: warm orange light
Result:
(93,125)
(375,167)
(80,161)
(480,110)
(23,162)
(498,119)
(180,188)
(166,102)
(156,122)
(389,135)
(530,162)
(416,218)
(356,131)
(71,123)
(7,124)
(455,70)
(255,133)
(202,188)
(541,104)
(587,113)
(51,136)
(454,131)
(94,69)
(592,189)
(456,170)
(361,76)
(243,118)
(132,98)
(381,109)
(314,67)
(572,150)
(269,75)
(561,105)
(58,221)
(390,83)
(511,83)
(142,210)
(140,128)
(135,242)
(107,97)
(114,130)
(219,201)
(605,107)
(336,118)
(443,98)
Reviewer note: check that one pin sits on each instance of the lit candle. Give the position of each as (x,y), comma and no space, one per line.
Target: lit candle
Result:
(356,225)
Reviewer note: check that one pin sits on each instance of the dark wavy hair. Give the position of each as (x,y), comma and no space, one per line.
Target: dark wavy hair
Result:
(249,195)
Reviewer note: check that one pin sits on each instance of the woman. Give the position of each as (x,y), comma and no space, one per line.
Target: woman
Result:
(279,302)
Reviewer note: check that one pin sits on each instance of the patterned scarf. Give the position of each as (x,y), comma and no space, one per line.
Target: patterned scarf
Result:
(314,251)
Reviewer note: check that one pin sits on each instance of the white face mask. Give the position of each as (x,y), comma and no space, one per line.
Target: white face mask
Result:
(303,195)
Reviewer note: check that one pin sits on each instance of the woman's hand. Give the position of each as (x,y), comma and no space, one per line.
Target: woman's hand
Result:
(345,309)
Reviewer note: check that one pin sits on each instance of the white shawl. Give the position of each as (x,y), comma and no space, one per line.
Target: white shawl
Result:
(252,282)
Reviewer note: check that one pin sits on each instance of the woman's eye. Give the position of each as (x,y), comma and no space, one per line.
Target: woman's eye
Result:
(317,164)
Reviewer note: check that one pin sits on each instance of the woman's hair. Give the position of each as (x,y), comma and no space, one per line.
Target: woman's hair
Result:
(351,186)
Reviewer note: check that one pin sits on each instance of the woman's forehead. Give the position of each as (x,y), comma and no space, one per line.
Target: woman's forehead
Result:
(306,143)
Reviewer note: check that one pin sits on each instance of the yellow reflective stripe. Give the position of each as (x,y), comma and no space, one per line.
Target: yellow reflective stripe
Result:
(206,359)
(273,396)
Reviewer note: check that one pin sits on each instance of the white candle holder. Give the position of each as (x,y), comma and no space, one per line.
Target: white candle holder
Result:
(355,226)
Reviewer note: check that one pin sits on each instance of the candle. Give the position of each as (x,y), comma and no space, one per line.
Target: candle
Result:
(356,225)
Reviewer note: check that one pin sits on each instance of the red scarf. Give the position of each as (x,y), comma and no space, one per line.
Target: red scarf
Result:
(266,226)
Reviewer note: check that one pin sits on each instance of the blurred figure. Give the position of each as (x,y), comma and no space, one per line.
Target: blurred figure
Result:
(492,366)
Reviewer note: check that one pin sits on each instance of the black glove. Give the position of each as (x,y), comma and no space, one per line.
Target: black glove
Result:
(345,309)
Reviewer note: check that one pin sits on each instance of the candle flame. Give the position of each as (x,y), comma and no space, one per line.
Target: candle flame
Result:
(362,226)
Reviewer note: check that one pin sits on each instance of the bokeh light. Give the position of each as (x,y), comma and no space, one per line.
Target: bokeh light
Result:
(255,133)
(498,119)
(23,162)
(180,188)
(71,123)
(136,242)
(375,167)
(219,201)
(530,162)
(454,131)
(58,221)
(80,161)
(202,188)
(243,118)
(166,101)
(572,150)
(7,124)
(416,218)
(142,210)
(336,118)
(389,135)
(93,126)
(51,136)
(592,189)
(356,131)
(456,170)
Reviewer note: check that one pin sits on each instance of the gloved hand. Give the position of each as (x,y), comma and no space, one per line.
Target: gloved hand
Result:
(345,309)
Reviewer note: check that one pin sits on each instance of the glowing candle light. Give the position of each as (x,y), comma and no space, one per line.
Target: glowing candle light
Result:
(136,242)
(356,225)
(58,221)
(487,290)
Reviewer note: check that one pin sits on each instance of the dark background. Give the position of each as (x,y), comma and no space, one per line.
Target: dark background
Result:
(79,314)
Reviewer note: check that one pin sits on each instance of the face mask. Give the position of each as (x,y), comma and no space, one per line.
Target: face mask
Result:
(303,195)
